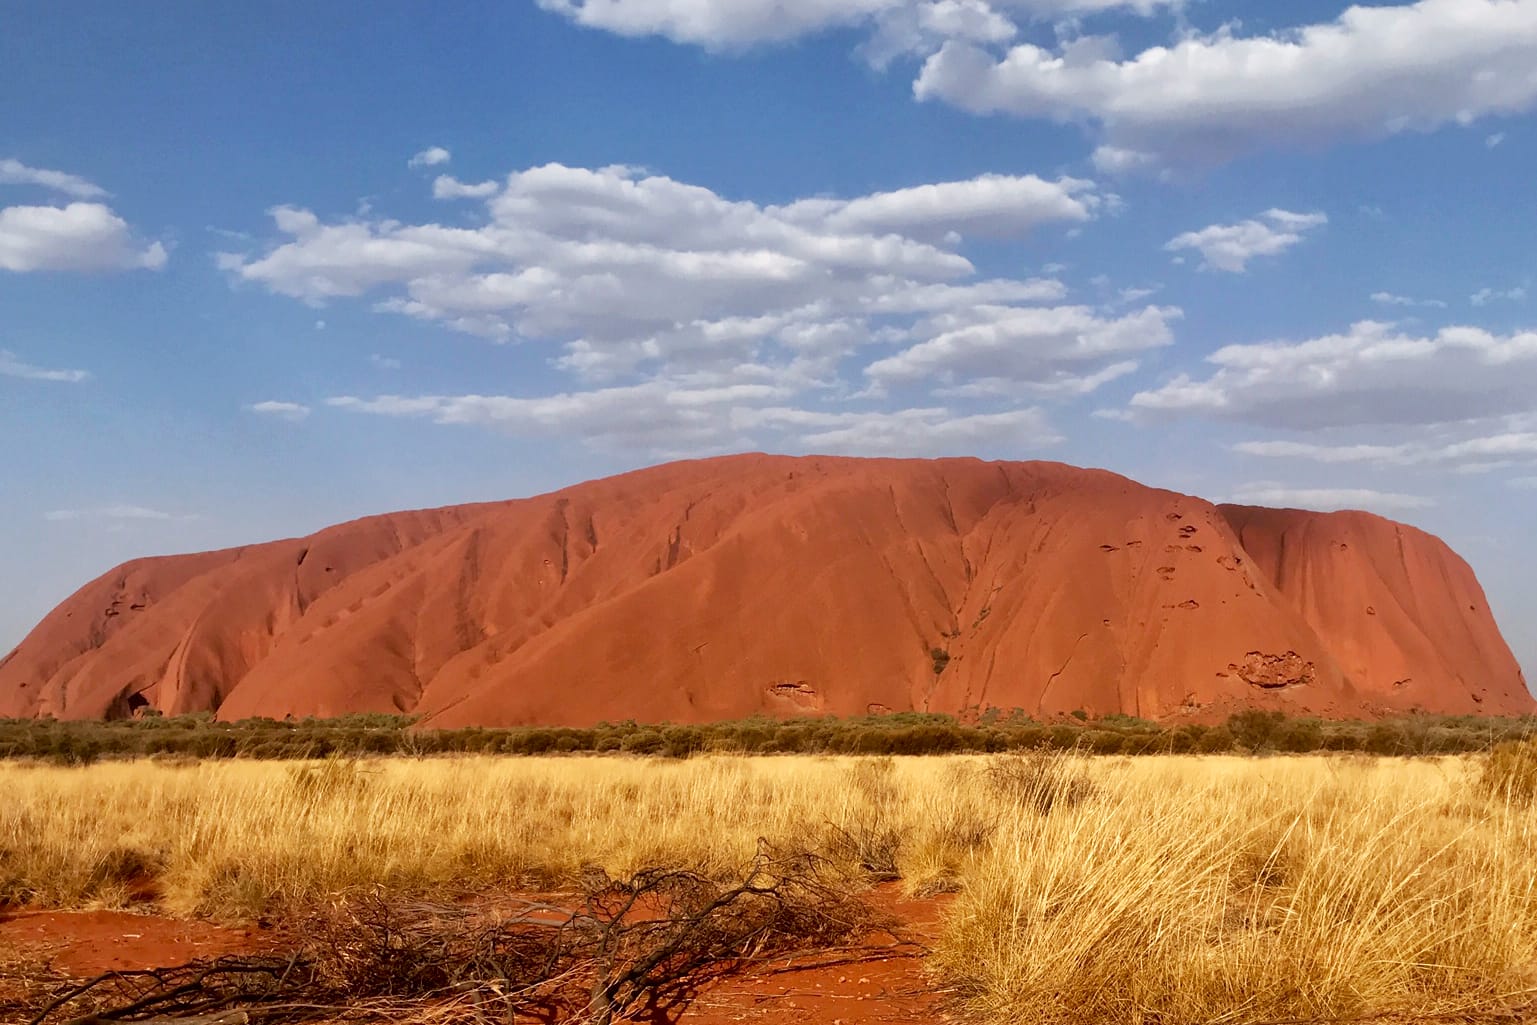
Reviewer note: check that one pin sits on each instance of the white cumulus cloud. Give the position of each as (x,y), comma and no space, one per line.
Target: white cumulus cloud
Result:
(433,156)
(1373,72)
(78,237)
(628,272)
(1372,374)
(1230,247)
(446,186)
(691,322)
(921,28)
(895,26)
(987,349)
(991,205)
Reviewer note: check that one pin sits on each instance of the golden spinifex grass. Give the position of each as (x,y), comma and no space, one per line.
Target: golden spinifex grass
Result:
(1228,891)
(1169,889)
(239,838)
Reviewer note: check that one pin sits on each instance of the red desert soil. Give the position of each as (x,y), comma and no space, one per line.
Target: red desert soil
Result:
(88,943)
(882,981)
(745,585)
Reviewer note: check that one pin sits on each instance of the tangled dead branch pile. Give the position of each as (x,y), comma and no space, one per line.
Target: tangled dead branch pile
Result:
(622,947)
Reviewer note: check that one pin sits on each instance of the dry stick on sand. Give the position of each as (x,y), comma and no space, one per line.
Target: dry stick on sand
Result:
(645,942)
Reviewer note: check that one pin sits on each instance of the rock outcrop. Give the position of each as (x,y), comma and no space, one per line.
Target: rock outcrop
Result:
(729,587)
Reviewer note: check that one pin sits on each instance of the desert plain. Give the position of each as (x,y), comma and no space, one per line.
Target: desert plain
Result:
(782,740)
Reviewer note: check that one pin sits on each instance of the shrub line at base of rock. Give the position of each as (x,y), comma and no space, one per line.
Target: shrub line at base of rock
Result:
(1255,732)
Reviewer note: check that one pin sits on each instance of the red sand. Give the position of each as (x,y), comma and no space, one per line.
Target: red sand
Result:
(729,587)
(88,943)
(882,981)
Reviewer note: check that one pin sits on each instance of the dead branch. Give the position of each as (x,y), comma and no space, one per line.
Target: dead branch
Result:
(622,947)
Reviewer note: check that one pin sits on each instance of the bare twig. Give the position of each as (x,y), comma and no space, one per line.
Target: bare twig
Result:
(643,943)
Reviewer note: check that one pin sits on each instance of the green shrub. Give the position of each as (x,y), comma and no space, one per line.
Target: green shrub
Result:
(1104,742)
(1255,729)
(1386,738)
(914,733)
(682,741)
(1298,735)
(644,742)
(72,749)
(1215,740)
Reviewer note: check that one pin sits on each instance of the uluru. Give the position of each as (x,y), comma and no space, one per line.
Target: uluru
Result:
(745,585)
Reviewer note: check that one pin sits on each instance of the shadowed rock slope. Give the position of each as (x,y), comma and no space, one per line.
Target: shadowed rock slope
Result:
(728,587)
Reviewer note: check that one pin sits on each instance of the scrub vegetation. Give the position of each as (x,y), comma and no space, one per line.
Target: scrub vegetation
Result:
(907,733)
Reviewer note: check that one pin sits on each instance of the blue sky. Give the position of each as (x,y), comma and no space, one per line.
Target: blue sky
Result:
(267,268)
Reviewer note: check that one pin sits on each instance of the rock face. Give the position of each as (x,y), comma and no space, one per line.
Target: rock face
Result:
(730,587)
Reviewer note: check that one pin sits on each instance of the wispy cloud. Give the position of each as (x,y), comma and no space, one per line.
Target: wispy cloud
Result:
(108,512)
(1327,499)
(14,172)
(446,186)
(11,366)
(1485,296)
(290,411)
(1475,453)
(229,233)
(1392,299)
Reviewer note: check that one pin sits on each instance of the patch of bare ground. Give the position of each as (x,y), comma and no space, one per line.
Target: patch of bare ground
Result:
(45,954)
(663,946)
(882,979)
(86,943)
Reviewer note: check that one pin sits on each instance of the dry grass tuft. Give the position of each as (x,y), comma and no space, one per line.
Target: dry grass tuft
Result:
(1210,893)
(1040,780)
(1510,772)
